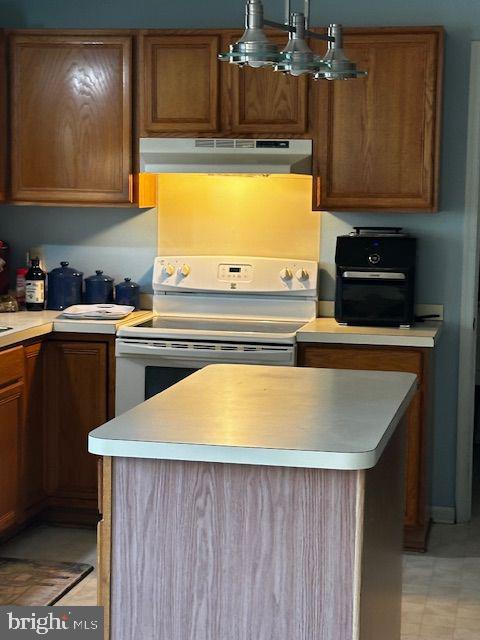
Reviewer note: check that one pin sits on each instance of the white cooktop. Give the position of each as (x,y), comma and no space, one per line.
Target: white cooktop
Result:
(224,329)
(229,299)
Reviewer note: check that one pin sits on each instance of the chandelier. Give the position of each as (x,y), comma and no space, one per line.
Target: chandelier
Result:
(296,58)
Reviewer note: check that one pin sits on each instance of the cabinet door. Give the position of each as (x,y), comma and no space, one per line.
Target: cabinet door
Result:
(388,359)
(179,92)
(377,138)
(11,423)
(3,119)
(77,402)
(33,447)
(71,119)
(260,101)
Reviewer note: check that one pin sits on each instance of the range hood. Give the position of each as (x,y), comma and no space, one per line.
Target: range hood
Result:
(225,155)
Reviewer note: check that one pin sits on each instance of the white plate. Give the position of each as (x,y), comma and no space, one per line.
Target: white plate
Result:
(97,311)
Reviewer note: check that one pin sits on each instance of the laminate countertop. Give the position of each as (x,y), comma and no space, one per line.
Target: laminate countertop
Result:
(327,330)
(263,415)
(25,325)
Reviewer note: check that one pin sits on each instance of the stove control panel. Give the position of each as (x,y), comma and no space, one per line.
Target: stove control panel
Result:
(235,274)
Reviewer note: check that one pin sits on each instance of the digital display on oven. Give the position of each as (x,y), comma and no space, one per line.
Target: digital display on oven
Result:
(235,272)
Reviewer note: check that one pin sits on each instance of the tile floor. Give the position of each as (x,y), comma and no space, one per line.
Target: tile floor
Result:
(62,545)
(441,589)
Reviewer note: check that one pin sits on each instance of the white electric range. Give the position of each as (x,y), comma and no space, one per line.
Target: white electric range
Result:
(214,309)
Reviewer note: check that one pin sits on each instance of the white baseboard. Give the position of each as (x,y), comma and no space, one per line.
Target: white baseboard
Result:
(443,515)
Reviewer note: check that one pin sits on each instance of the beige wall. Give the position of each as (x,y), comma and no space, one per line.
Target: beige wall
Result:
(237,215)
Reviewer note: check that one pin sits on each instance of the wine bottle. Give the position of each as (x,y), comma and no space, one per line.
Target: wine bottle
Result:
(35,287)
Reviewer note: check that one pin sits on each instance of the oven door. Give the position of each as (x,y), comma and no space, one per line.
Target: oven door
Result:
(374,298)
(147,367)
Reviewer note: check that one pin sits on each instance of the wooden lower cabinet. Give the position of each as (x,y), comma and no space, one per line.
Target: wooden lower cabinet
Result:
(77,400)
(406,359)
(11,418)
(11,426)
(34,443)
(53,392)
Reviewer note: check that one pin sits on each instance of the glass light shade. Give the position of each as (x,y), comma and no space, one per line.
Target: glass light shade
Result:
(335,64)
(298,63)
(258,53)
(338,69)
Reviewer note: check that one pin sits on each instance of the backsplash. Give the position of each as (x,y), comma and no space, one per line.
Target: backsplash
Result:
(267,216)
(121,242)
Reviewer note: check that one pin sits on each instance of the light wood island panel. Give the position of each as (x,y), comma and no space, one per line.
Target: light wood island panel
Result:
(234,552)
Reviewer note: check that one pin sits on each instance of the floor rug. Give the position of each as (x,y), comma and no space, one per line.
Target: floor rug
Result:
(34,583)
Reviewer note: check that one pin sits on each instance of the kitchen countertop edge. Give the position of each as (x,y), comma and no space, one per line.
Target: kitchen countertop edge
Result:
(50,322)
(252,455)
(328,331)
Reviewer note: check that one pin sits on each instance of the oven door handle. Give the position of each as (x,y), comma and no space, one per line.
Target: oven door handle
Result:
(217,355)
(373,275)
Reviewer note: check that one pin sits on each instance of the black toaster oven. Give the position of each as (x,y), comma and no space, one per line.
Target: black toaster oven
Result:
(375,277)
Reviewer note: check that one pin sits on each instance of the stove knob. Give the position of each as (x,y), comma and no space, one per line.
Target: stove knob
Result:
(184,270)
(302,274)
(286,274)
(169,269)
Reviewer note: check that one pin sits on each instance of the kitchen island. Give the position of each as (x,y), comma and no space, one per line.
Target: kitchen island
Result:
(254,502)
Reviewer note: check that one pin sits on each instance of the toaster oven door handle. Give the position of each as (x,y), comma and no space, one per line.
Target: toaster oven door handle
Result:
(373,275)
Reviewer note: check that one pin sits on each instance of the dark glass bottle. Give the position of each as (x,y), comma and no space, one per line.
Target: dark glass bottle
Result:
(35,287)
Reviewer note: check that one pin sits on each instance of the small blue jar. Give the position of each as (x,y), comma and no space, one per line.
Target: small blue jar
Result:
(128,293)
(98,288)
(64,287)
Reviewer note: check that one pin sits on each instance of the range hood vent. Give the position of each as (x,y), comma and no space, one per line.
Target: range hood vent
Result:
(224,143)
(225,155)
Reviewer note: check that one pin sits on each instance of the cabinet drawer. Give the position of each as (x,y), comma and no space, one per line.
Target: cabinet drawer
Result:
(366,358)
(11,365)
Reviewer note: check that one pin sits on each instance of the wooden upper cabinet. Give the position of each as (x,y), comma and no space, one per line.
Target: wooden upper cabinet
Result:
(179,91)
(377,138)
(71,118)
(3,118)
(260,101)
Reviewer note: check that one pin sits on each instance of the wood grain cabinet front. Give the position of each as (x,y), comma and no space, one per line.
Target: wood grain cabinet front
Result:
(261,101)
(179,84)
(405,359)
(77,401)
(3,118)
(376,139)
(71,118)
(34,441)
(185,91)
(11,432)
